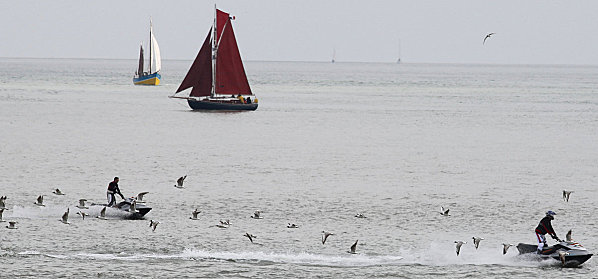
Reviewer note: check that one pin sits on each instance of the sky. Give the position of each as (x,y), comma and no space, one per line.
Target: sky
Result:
(527,32)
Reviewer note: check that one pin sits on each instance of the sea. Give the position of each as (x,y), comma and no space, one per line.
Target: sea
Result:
(494,144)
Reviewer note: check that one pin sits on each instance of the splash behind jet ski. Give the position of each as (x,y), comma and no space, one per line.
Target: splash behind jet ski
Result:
(575,255)
(124,209)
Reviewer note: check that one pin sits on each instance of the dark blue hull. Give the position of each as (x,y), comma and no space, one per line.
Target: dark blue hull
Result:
(215,105)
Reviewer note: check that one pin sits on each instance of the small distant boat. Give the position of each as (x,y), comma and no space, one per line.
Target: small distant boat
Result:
(151,76)
(217,75)
(399,59)
(333,55)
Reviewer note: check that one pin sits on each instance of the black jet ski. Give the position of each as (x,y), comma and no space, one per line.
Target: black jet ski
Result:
(575,254)
(124,209)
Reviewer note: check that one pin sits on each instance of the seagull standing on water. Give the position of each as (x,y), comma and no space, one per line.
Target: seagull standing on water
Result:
(476,241)
(58,192)
(82,204)
(40,201)
(292,226)
(458,246)
(487,36)
(353,247)
(65,217)
(256,215)
(566,195)
(195,213)
(180,181)
(11,225)
(359,215)
(325,236)
(505,247)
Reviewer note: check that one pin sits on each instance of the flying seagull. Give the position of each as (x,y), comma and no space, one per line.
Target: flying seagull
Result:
(11,225)
(195,213)
(567,237)
(256,215)
(292,226)
(133,207)
(459,244)
(179,182)
(487,36)
(353,247)
(102,214)
(65,217)
(40,201)
(444,212)
(82,204)
(250,236)
(2,204)
(83,214)
(140,196)
(154,224)
(563,256)
(325,236)
(476,241)
(1,211)
(566,195)
(505,247)
(58,192)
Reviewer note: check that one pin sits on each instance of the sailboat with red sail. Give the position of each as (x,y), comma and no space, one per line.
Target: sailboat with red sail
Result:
(217,76)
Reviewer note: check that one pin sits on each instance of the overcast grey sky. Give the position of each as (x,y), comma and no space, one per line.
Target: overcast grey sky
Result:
(527,32)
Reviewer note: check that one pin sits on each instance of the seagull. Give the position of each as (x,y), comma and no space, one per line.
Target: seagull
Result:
(250,236)
(353,247)
(154,224)
(1,211)
(140,196)
(563,256)
(11,225)
(179,182)
(292,226)
(567,237)
(459,244)
(2,204)
(226,223)
(359,215)
(195,213)
(40,201)
(65,217)
(476,241)
(133,207)
(505,247)
(256,215)
(82,204)
(102,214)
(325,236)
(83,214)
(566,195)
(487,36)
(58,192)
(444,212)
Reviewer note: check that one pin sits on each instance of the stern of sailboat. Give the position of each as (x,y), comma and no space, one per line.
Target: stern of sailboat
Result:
(153,79)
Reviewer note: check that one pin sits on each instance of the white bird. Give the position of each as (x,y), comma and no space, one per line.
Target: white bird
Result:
(11,225)
(567,237)
(180,181)
(563,256)
(194,214)
(65,217)
(487,36)
(1,211)
(353,247)
(154,224)
(359,215)
(2,202)
(325,236)
(222,226)
(505,247)
(102,214)
(250,236)
(82,204)
(256,215)
(566,195)
(133,207)
(444,212)
(40,201)
(292,226)
(82,214)
(58,192)
(458,246)
(140,196)
(476,241)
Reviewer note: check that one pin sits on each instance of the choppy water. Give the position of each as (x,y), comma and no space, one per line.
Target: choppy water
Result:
(495,144)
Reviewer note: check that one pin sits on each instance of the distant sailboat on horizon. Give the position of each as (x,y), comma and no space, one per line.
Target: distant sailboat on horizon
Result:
(333,55)
(151,77)
(399,59)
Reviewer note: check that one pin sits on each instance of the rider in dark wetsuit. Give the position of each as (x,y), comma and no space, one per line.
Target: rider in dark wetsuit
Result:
(113,189)
(545,227)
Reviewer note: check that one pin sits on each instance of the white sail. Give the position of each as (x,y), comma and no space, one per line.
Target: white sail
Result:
(157,61)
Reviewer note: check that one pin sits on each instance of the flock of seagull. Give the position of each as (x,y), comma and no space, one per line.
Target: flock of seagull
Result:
(256,215)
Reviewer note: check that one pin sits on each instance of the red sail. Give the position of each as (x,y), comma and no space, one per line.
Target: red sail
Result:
(221,20)
(200,74)
(230,74)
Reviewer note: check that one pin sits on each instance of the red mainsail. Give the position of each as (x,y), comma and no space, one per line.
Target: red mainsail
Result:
(200,74)
(230,74)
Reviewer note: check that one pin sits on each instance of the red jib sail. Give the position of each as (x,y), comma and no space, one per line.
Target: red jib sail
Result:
(230,74)
(200,74)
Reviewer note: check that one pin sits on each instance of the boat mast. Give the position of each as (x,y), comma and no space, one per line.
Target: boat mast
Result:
(214,53)
(150,47)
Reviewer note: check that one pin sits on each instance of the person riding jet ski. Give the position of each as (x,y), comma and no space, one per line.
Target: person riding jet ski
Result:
(545,227)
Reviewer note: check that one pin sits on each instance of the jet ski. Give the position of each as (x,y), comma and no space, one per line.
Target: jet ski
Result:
(575,254)
(124,209)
